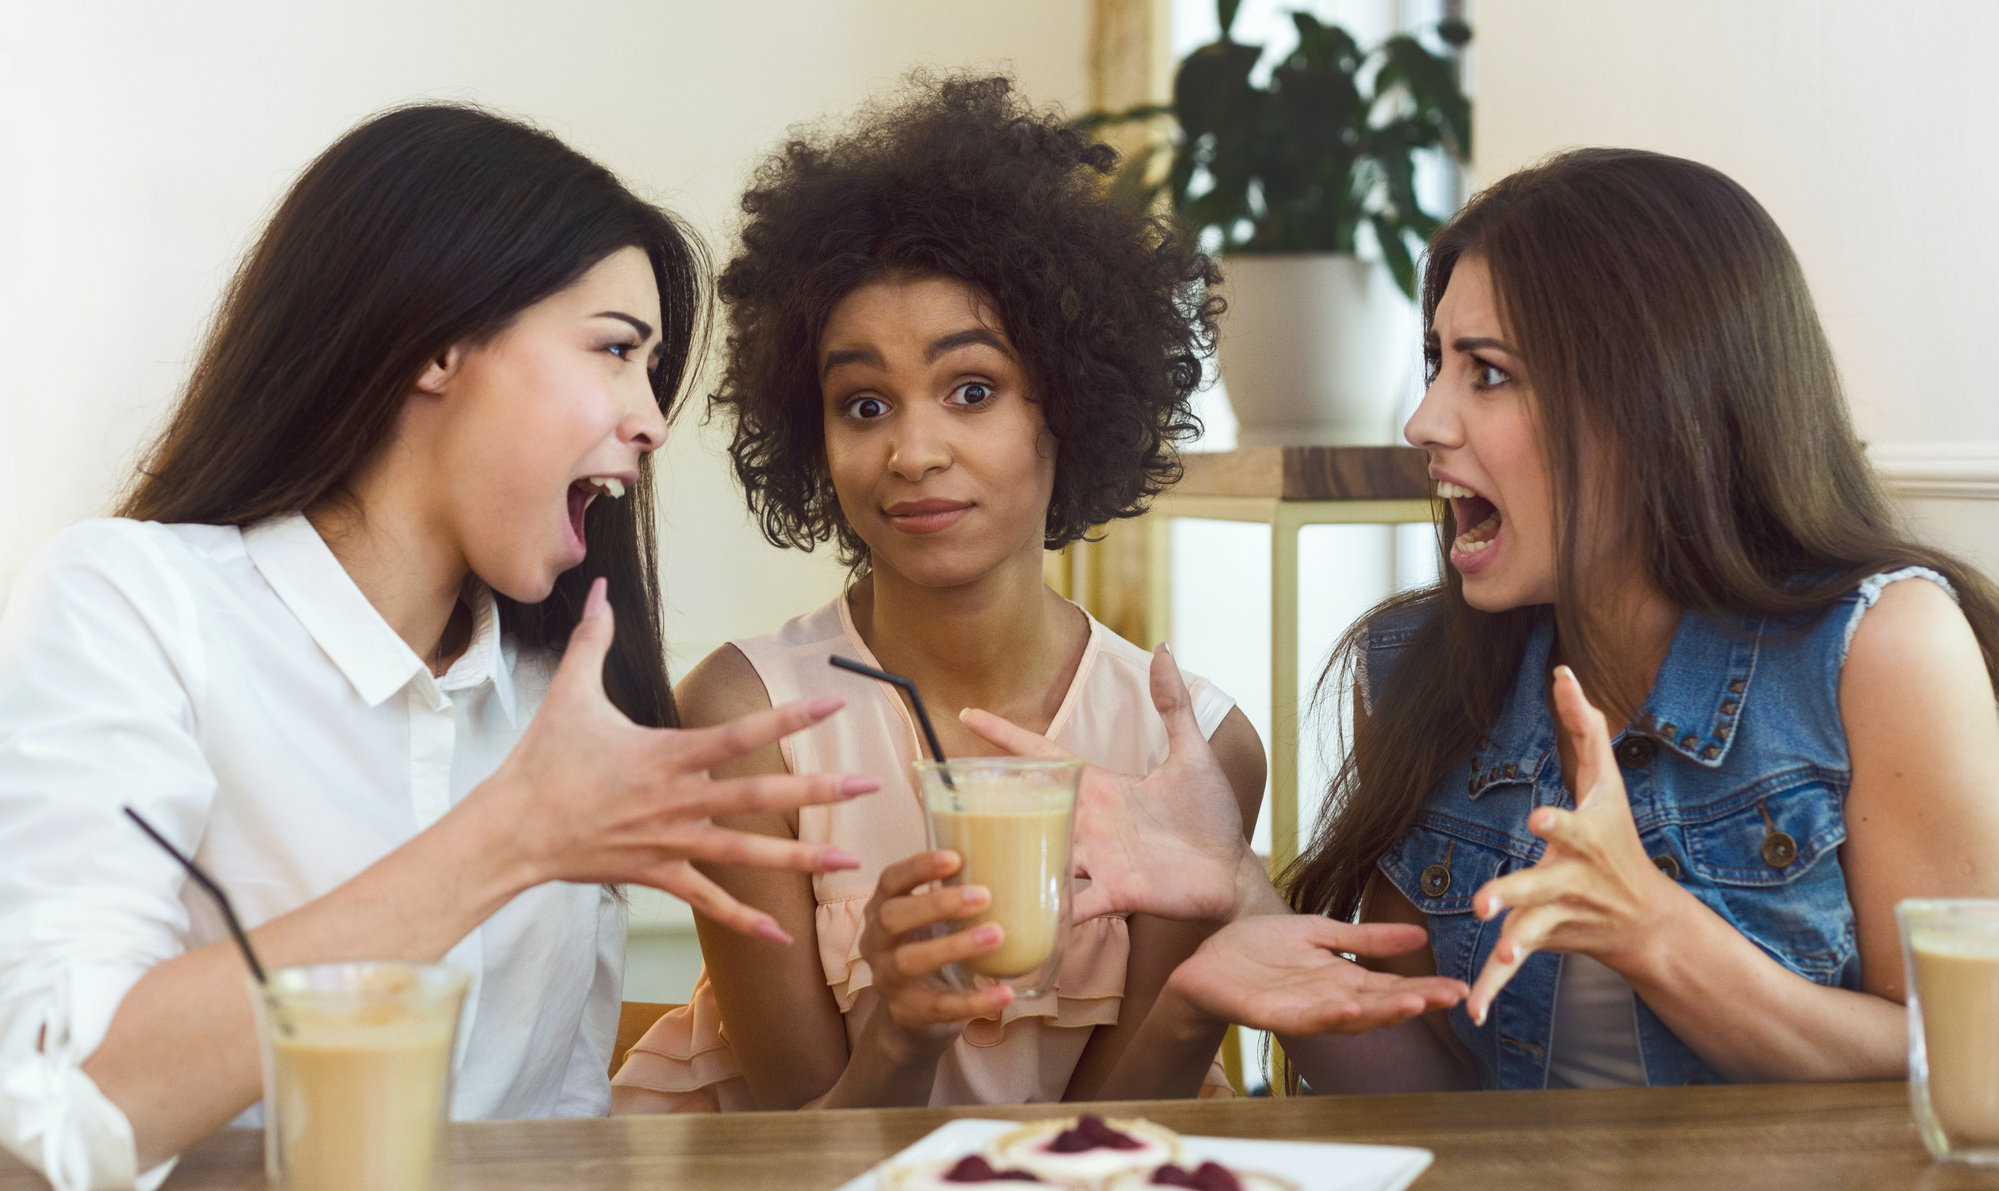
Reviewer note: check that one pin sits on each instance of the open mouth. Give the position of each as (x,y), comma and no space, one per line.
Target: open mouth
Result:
(585,490)
(1477,518)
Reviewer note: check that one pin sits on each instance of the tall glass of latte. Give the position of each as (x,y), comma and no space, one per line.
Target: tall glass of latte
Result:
(1010,819)
(1951,952)
(357,1074)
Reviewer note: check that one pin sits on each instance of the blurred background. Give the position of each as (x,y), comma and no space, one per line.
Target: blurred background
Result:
(142,145)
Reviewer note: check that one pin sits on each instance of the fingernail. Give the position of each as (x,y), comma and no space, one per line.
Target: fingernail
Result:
(833,858)
(821,708)
(988,934)
(597,598)
(974,895)
(1478,1017)
(1168,648)
(768,929)
(1564,672)
(854,785)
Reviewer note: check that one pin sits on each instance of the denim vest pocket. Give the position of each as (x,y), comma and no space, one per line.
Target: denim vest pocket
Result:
(1767,859)
(1439,870)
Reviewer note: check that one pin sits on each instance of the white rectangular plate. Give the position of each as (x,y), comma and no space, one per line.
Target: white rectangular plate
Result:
(1313,1165)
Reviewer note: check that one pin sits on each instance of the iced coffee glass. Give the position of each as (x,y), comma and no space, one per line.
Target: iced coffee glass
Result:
(1950,950)
(1010,819)
(357,1074)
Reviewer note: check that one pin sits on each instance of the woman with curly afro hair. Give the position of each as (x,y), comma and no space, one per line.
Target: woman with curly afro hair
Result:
(949,352)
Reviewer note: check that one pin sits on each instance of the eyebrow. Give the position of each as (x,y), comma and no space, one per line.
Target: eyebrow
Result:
(643,327)
(1468,344)
(859,355)
(964,338)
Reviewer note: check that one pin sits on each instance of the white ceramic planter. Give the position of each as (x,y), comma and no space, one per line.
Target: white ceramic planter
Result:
(1316,349)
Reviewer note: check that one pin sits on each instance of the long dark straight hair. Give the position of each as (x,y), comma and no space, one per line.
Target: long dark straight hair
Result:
(423,227)
(1657,310)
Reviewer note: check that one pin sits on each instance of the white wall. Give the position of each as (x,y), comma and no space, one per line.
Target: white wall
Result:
(142,145)
(1867,128)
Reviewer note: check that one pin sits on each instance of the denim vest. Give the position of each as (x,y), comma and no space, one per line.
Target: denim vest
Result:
(1737,770)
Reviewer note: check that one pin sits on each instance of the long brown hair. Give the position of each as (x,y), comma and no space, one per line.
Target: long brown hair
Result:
(1658,310)
(422,227)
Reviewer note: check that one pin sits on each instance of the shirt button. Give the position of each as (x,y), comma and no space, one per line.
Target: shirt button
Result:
(1779,849)
(1436,881)
(1667,865)
(1636,752)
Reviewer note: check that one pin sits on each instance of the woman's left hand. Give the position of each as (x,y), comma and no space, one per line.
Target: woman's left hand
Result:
(1281,972)
(1594,891)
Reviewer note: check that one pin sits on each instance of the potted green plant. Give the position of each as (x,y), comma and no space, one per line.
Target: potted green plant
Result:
(1288,179)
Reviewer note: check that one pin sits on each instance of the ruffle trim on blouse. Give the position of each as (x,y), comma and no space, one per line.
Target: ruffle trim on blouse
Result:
(1089,992)
(686,1057)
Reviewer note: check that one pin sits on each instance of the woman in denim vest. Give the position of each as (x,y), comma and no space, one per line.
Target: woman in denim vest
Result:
(1651,486)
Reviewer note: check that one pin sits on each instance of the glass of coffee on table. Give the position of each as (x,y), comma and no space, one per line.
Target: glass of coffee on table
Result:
(357,1074)
(1010,819)
(1950,950)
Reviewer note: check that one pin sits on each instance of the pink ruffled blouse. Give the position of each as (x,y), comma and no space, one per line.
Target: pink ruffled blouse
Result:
(1028,1053)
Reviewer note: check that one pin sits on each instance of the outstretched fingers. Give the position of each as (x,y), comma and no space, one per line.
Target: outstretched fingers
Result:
(776,792)
(580,673)
(1374,939)
(1588,733)
(711,900)
(1003,734)
(1173,702)
(704,748)
(750,849)
(1521,937)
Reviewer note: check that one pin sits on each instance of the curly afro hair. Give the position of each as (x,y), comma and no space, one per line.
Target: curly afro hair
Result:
(1109,308)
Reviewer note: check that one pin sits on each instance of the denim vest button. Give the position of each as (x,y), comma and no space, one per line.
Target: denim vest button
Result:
(1667,865)
(1779,849)
(1436,881)
(1636,752)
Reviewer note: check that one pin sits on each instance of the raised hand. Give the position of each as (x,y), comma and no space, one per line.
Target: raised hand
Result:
(1594,891)
(588,796)
(1168,844)
(900,953)
(1279,972)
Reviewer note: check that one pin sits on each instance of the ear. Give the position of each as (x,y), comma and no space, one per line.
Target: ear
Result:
(436,377)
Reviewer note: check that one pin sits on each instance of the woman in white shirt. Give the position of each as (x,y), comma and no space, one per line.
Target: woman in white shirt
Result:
(320,651)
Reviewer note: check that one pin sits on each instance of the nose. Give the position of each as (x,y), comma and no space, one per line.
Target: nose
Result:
(1435,425)
(921,443)
(644,423)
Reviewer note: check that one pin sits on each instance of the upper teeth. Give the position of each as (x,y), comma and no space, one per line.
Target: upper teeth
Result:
(610,486)
(1450,491)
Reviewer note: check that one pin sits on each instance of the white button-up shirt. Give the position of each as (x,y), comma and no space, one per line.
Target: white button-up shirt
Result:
(237,688)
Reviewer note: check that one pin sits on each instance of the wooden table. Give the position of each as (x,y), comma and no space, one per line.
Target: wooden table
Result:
(1819,1137)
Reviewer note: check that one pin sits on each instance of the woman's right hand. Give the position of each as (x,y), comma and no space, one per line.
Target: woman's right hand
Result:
(901,958)
(589,797)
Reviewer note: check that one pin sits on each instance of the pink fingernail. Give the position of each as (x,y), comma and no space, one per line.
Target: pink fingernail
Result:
(1478,1017)
(598,597)
(989,933)
(838,858)
(768,929)
(821,708)
(855,785)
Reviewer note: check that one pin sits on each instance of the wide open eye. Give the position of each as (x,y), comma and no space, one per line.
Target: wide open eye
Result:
(866,408)
(972,393)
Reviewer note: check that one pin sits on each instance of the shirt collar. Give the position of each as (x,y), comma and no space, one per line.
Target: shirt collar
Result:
(289,553)
(1697,699)
(1695,704)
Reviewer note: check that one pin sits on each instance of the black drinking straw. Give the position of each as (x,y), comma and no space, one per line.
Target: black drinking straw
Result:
(214,891)
(915,700)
